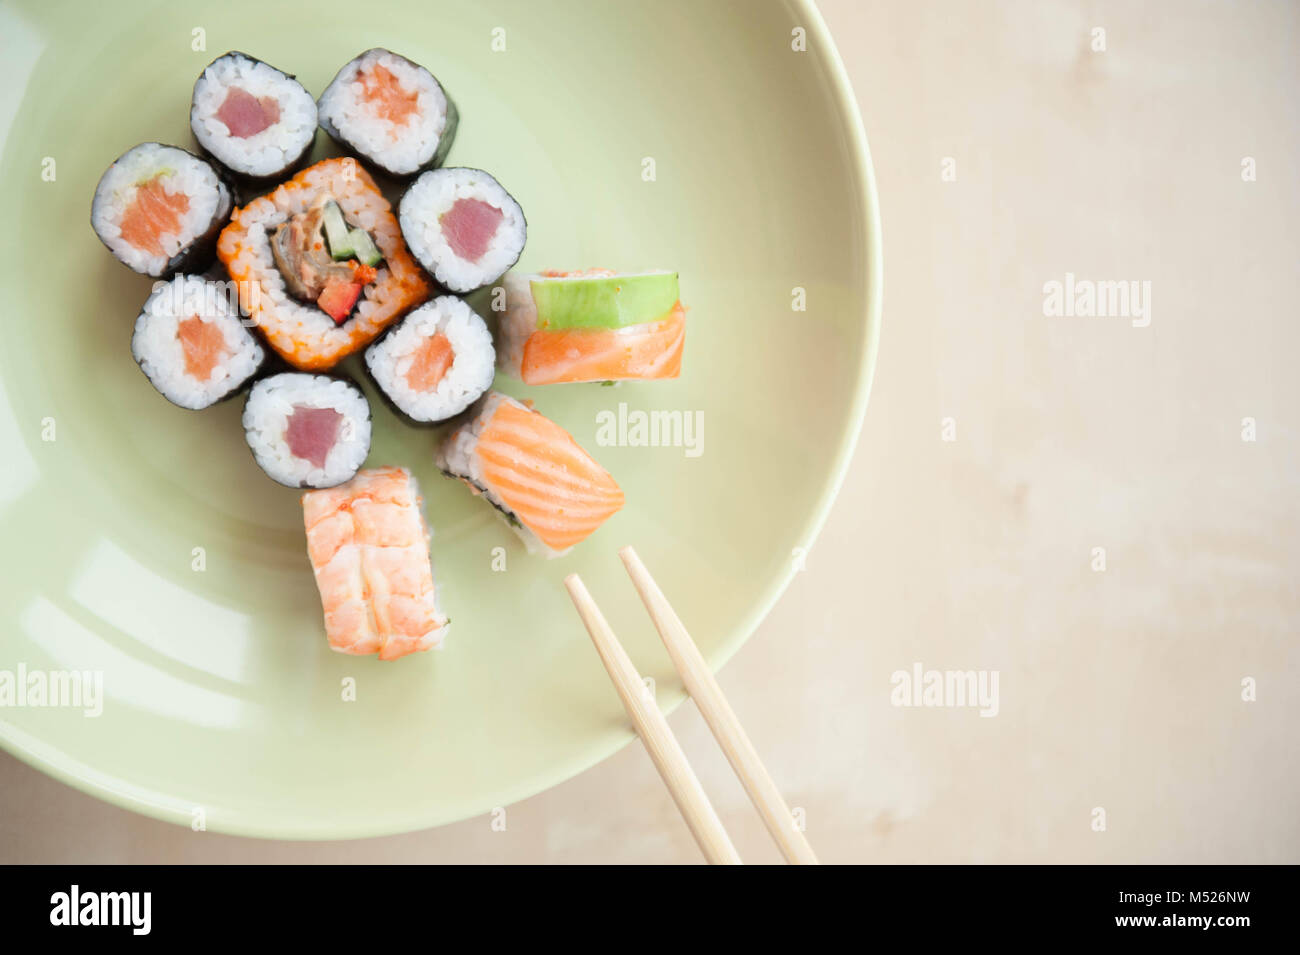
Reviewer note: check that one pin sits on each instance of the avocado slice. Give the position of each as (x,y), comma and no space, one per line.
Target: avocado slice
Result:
(603,301)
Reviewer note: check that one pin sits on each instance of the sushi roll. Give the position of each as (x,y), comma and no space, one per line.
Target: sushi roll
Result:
(320,264)
(528,467)
(391,112)
(369,548)
(256,121)
(307,430)
(462,226)
(596,325)
(436,363)
(159,208)
(190,342)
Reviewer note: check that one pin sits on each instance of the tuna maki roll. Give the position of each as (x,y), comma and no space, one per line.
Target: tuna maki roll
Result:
(465,229)
(307,430)
(390,112)
(436,363)
(159,208)
(254,120)
(190,342)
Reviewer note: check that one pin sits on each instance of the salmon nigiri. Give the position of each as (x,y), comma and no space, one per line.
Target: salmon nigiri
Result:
(552,492)
(369,549)
(595,325)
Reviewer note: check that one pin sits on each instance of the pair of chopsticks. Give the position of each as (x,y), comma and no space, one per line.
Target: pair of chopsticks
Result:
(659,740)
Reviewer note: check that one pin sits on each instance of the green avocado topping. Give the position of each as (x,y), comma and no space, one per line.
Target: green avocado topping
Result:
(604,301)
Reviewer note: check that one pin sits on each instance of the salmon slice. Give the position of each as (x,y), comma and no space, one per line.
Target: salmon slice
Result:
(369,550)
(540,473)
(152,214)
(203,347)
(247,115)
(652,350)
(383,91)
(469,225)
(430,363)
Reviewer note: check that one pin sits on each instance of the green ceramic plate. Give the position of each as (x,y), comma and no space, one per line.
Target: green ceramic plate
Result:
(682,135)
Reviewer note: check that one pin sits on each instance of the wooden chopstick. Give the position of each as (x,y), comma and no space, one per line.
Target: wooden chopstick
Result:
(726,728)
(653,729)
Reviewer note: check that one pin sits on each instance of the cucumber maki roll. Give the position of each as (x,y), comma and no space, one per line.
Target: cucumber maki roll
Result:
(159,209)
(389,111)
(256,121)
(307,430)
(192,345)
(464,228)
(436,363)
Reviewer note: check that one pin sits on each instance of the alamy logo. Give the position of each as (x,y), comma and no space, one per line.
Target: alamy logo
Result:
(1085,298)
(67,689)
(75,907)
(651,429)
(945,688)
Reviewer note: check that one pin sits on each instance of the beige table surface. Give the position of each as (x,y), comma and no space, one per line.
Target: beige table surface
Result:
(1119,689)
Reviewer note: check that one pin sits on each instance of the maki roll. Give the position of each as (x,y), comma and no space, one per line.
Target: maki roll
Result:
(369,548)
(190,342)
(159,209)
(320,264)
(462,226)
(596,325)
(254,120)
(436,363)
(550,490)
(390,112)
(307,430)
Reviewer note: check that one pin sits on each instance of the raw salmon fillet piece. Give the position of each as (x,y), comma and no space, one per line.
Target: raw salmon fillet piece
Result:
(534,471)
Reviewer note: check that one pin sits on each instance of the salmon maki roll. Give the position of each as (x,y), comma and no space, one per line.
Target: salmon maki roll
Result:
(159,208)
(436,363)
(550,490)
(597,325)
(191,343)
(320,264)
(369,549)
(389,111)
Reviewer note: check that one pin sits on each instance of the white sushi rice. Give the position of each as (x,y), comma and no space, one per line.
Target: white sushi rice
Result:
(432,195)
(181,172)
(157,347)
(266,421)
(458,456)
(516,323)
(471,371)
(404,148)
(273,150)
